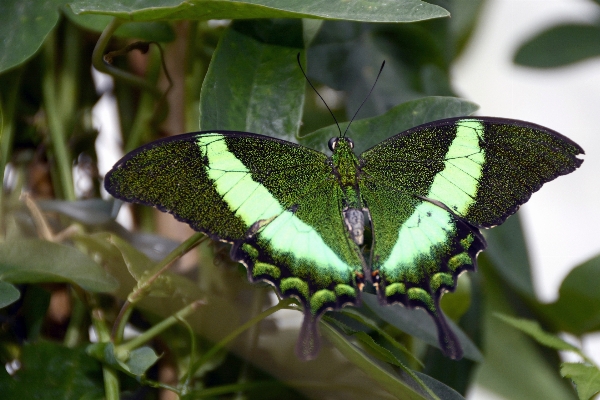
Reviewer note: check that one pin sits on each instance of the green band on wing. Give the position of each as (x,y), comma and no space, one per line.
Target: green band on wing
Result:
(251,201)
(456,186)
(428,226)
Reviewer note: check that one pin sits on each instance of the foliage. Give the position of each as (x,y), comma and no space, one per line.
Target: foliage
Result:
(210,328)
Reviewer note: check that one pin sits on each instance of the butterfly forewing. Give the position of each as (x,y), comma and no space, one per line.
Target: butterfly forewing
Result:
(274,200)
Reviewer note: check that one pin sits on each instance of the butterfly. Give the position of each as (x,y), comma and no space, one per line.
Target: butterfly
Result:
(404,215)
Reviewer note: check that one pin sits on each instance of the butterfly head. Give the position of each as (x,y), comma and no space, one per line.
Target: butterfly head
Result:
(336,142)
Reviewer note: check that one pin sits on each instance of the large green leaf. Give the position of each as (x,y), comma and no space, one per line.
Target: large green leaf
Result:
(370,131)
(356,10)
(50,371)
(508,251)
(259,89)
(559,46)
(577,309)
(35,260)
(515,367)
(418,323)
(24,25)
(157,31)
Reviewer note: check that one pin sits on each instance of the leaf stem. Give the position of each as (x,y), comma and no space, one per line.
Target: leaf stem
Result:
(158,328)
(101,65)
(111,380)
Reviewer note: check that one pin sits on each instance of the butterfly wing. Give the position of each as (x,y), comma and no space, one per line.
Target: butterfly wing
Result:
(428,190)
(275,201)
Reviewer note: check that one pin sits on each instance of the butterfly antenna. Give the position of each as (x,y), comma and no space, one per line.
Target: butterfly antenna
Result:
(318,94)
(366,98)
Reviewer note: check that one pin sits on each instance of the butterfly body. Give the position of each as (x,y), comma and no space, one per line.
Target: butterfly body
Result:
(297,217)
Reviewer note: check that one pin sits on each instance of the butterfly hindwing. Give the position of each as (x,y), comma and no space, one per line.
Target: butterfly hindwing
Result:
(274,200)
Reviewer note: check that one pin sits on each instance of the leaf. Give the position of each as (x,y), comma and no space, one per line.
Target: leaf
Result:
(135,362)
(370,131)
(24,26)
(261,89)
(149,31)
(381,373)
(35,260)
(418,323)
(50,371)
(533,329)
(508,252)
(576,42)
(515,367)
(585,377)
(90,211)
(8,294)
(356,10)
(577,309)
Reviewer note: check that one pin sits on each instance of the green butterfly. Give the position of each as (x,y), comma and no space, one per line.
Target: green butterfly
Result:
(299,219)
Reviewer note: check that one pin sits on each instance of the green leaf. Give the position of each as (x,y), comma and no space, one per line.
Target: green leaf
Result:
(261,89)
(8,294)
(356,10)
(90,211)
(418,323)
(515,367)
(148,31)
(370,131)
(24,25)
(577,309)
(35,260)
(508,252)
(585,377)
(533,329)
(379,372)
(50,371)
(135,362)
(576,42)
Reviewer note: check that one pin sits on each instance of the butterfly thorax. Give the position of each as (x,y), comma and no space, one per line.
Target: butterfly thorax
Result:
(344,162)
(345,165)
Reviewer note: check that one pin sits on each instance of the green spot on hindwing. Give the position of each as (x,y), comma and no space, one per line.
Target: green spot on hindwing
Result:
(395,289)
(344,290)
(457,261)
(320,299)
(421,295)
(250,251)
(261,268)
(441,279)
(294,284)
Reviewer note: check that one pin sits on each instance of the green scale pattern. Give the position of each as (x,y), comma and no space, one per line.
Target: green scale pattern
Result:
(426,192)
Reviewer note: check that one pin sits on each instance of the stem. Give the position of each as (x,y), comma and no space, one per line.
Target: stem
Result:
(158,328)
(73,334)
(102,66)
(7,110)
(217,347)
(165,264)
(56,126)
(111,380)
